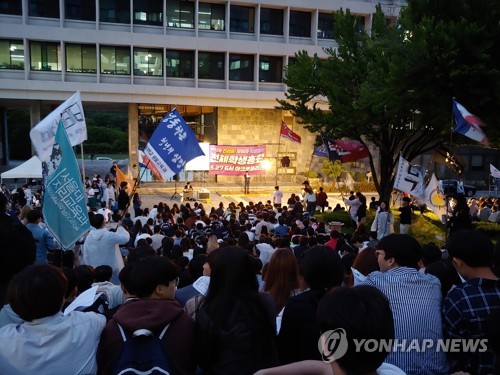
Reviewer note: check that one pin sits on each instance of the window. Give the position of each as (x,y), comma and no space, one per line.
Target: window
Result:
(45,56)
(13,7)
(360,24)
(148,62)
(83,10)
(211,16)
(241,67)
(270,68)
(180,14)
(180,64)
(242,19)
(11,54)
(116,11)
(44,8)
(271,21)
(211,65)
(81,58)
(476,162)
(115,60)
(148,12)
(325,26)
(300,24)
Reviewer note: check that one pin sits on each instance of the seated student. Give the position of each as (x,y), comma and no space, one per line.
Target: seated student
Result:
(152,280)
(361,312)
(102,279)
(48,342)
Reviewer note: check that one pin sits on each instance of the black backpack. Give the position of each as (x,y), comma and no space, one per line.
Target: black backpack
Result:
(143,353)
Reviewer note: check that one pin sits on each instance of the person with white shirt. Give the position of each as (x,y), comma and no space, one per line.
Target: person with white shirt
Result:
(277,197)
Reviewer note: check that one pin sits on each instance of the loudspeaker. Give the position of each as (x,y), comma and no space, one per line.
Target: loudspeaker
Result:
(285,161)
(176,177)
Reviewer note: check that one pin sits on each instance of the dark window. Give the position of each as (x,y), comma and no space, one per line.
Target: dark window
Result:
(45,56)
(242,19)
(13,7)
(148,12)
(360,24)
(271,21)
(211,16)
(300,24)
(81,58)
(11,54)
(148,62)
(241,67)
(180,64)
(477,162)
(44,8)
(180,14)
(325,26)
(116,11)
(115,60)
(211,65)
(270,68)
(83,10)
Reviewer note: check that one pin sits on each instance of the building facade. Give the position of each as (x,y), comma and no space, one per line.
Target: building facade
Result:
(220,63)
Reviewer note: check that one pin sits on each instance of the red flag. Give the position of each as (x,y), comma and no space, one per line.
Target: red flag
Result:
(346,150)
(287,133)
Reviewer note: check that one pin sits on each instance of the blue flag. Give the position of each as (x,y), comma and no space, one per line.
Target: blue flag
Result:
(171,146)
(64,201)
(320,151)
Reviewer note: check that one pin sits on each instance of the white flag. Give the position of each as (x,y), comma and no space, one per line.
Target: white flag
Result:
(43,134)
(434,197)
(494,172)
(410,178)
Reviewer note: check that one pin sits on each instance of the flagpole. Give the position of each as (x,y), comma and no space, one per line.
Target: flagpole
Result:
(134,189)
(83,162)
(277,155)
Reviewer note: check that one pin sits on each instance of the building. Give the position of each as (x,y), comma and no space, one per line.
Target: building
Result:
(220,63)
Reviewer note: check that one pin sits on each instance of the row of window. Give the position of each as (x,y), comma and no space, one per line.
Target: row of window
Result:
(82,58)
(181,14)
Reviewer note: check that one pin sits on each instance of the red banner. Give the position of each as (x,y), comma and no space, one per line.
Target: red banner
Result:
(236,160)
(287,133)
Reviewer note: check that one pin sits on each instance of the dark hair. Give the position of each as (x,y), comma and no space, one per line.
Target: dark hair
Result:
(464,245)
(33,216)
(85,276)
(366,261)
(97,220)
(37,291)
(147,273)
(72,280)
(321,268)
(103,273)
(364,313)
(403,248)
(430,253)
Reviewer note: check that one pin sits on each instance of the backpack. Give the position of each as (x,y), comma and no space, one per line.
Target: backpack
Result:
(143,353)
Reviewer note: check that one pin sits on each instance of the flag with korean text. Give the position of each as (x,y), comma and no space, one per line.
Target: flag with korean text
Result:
(171,146)
(71,111)
(468,124)
(320,151)
(434,197)
(409,178)
(287,133)
(64,201)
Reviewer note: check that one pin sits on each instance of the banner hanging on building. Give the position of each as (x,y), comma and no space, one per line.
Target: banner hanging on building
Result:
(236,160)
(64,201)
(43,134)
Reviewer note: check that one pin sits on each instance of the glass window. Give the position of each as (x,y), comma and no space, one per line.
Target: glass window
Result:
(45,56)
(115,60)
(242,19)
(241,67)
(180,14)
(13,7)
(211,65)
(211,16)
(360,24)
(476,162)
(180,64)
(148,12)
(81,58)
(11,54)
(80,10)
(148,62)
(271,21)
(270,68)
(116,11)
(325,26)
(300,24)
(44,8)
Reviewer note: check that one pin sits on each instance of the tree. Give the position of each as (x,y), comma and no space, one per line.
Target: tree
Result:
(333,170)
(390,87)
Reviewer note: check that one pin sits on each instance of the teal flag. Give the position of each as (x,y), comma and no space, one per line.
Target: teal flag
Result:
(64,203)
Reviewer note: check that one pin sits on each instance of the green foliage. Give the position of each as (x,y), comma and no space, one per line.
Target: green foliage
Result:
(332,169)
(338,216)
(491,229)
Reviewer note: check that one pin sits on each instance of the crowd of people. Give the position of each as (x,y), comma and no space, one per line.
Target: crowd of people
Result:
(243,289)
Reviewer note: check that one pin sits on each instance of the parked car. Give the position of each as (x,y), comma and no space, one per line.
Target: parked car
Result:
(450,188)
(103,158)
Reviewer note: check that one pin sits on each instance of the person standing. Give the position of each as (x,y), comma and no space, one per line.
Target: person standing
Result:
(43,239)
(321,199)
(247,183)
(405,217)
(277,197)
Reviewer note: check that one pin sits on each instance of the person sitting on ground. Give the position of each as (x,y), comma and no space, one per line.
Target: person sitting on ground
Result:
(102,280)
(48,342)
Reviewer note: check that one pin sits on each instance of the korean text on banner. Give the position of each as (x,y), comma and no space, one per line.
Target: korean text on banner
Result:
(171,146)
(43,134)
(236,160)
(287,133)
(409,178)
(64,201)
